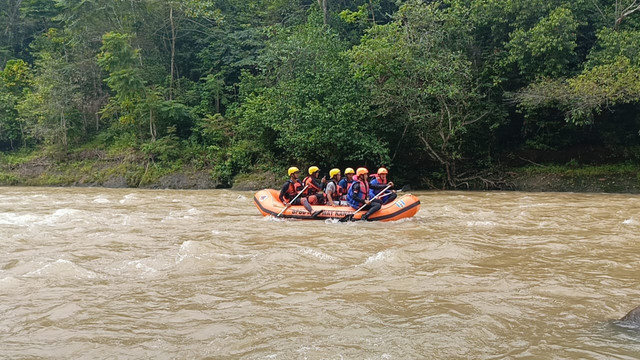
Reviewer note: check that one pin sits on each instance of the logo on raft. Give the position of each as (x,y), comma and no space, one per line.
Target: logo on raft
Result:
(325,213)
(263,198)
(400,204)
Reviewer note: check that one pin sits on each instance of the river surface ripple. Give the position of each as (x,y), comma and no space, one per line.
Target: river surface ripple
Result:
(127,273)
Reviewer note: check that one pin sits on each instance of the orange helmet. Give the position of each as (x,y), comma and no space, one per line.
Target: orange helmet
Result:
(361,171)
(382,171)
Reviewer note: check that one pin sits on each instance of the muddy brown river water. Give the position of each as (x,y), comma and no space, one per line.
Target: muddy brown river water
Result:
(163,274)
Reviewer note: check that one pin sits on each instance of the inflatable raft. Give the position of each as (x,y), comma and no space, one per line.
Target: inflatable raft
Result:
(268,204)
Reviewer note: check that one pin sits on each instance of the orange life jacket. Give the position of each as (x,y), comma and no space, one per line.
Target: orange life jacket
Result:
(293,190)
(312,188)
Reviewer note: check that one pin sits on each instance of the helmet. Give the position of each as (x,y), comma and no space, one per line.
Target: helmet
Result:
(313,169)
(349,171)
(333,172)
(293,170)
(382,171)
(361,171)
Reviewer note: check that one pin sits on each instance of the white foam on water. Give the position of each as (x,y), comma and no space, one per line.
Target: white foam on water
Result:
(9,282)
(101,200)
(320,255)
(61,215)
(481,223)
(273,218)
(62,268)
(127,198)
(241,198)
(140,267)
(187,249)
(15,219)
(198,251)
(630,222)
(379,257)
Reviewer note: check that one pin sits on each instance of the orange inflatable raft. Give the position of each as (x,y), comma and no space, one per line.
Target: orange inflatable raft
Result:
(268,204)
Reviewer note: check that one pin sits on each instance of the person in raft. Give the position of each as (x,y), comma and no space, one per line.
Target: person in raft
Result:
(291,188)
(314,192)
(333,189)
(358,194)
(378,183)
(345,182)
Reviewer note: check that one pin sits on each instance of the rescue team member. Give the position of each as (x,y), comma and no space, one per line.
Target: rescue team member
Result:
(314,192)
(358,194)
(378,183)
(345,182)
(333,189)
(291,188)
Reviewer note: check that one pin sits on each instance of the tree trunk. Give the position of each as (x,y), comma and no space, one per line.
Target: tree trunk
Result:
(173,51)
(63,126)
(152,129)
(323,7)
(373,14)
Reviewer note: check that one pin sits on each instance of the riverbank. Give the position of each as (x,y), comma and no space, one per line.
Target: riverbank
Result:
(100,169)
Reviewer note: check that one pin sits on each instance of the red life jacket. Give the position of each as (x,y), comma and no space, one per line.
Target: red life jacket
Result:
(293,190)
(312,189)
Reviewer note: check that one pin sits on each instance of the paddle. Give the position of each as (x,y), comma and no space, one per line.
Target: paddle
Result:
(294,199)
(404,189)
(350,216)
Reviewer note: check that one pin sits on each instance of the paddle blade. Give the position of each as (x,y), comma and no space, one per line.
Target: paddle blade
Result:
(347,218)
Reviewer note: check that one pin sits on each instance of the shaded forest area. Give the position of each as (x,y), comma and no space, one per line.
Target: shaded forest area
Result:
(447,94)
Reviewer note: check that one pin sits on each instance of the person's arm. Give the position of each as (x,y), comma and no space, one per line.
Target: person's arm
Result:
(283,191)
(376,186)
(331,188)
(316,184)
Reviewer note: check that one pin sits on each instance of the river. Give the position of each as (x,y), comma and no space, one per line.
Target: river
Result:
(128,273)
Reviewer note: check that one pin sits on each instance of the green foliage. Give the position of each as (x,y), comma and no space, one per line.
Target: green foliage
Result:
(421,78)
(239,86)
(309,108)
(586,95)
(548,48)
(612,45)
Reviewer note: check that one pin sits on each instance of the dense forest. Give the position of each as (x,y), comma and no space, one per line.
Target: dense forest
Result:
(444,93)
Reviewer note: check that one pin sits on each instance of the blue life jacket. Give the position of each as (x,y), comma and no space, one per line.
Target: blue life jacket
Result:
(364,190)
(373,192)
(343,183)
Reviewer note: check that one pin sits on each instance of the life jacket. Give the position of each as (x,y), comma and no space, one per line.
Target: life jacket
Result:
(362,195)
(336,195)
(312,188)
(293,190)
(376,180)
(345,185)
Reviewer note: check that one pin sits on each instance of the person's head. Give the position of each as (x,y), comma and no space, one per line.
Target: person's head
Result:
(362,173)
(335,174)
(382,173)
(294,172)
(314,171)
(348,172)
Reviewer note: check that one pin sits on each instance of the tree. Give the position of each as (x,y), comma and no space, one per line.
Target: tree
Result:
(307,108)
(15,79)
(420,77)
